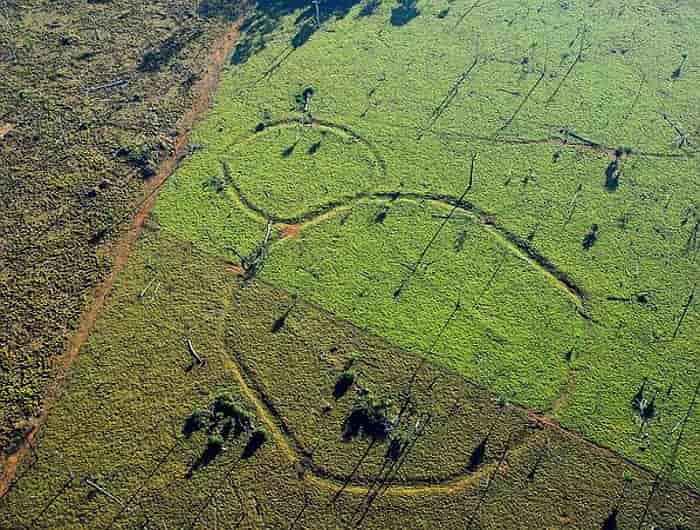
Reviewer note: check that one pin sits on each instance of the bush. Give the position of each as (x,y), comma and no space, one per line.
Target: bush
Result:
(215,442)
(260,434)
(302,99)
(215,183)
(347,377)
(591,237)
(143,156)
(344,382)
(225,406)
(370,417)
(196,421)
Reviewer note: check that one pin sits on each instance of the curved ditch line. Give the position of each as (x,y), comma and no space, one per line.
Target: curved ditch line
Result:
(329,210)
(316,123)
(259,393)
(286,440)
(536,417)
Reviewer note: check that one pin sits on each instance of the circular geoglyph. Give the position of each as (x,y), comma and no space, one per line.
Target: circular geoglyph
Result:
(289,166)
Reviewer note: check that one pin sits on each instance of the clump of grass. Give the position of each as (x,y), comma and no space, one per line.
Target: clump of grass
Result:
(143,156)
(345,381)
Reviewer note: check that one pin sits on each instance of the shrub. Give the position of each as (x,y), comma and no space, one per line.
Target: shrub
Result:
(260,434)
(302,99)
(344,382)
(591,237)
(225,406)
(215,442)
(347,377)
(196,421)
(215,183)
(369,416)
(143,156)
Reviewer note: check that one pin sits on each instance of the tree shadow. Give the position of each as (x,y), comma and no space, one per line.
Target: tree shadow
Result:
(369,417)
(476,459)
(369,8)
(612,175)
(403,13)
(314,148)
(267,16)
(342,385)
(591,238)
(289,150)
(256,441)
(206,458)
(610,522)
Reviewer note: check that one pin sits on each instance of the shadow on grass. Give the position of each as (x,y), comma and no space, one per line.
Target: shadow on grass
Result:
(267,16)
(403,13)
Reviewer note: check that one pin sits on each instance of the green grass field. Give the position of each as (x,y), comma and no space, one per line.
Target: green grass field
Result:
(120,426)
(542,99)
(440,257)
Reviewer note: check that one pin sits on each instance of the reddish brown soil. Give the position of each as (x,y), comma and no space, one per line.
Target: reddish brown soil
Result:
(5,128)
(289,230)
(236,269)
(221,48)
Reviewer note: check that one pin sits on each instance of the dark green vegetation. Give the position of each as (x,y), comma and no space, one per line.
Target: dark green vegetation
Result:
(563,269)
(457,456)
(90,96)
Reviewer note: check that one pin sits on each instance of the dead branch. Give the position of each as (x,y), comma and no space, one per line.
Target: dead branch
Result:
(102,490)
(194,353)
(412,270)
(111,84)
(684,311)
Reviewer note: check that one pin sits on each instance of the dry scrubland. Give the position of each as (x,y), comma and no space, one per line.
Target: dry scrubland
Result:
(426,265)
(90,97)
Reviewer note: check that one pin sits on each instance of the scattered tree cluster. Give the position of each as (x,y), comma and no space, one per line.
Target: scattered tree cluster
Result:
(225,418)
(370,416)
(143,156)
